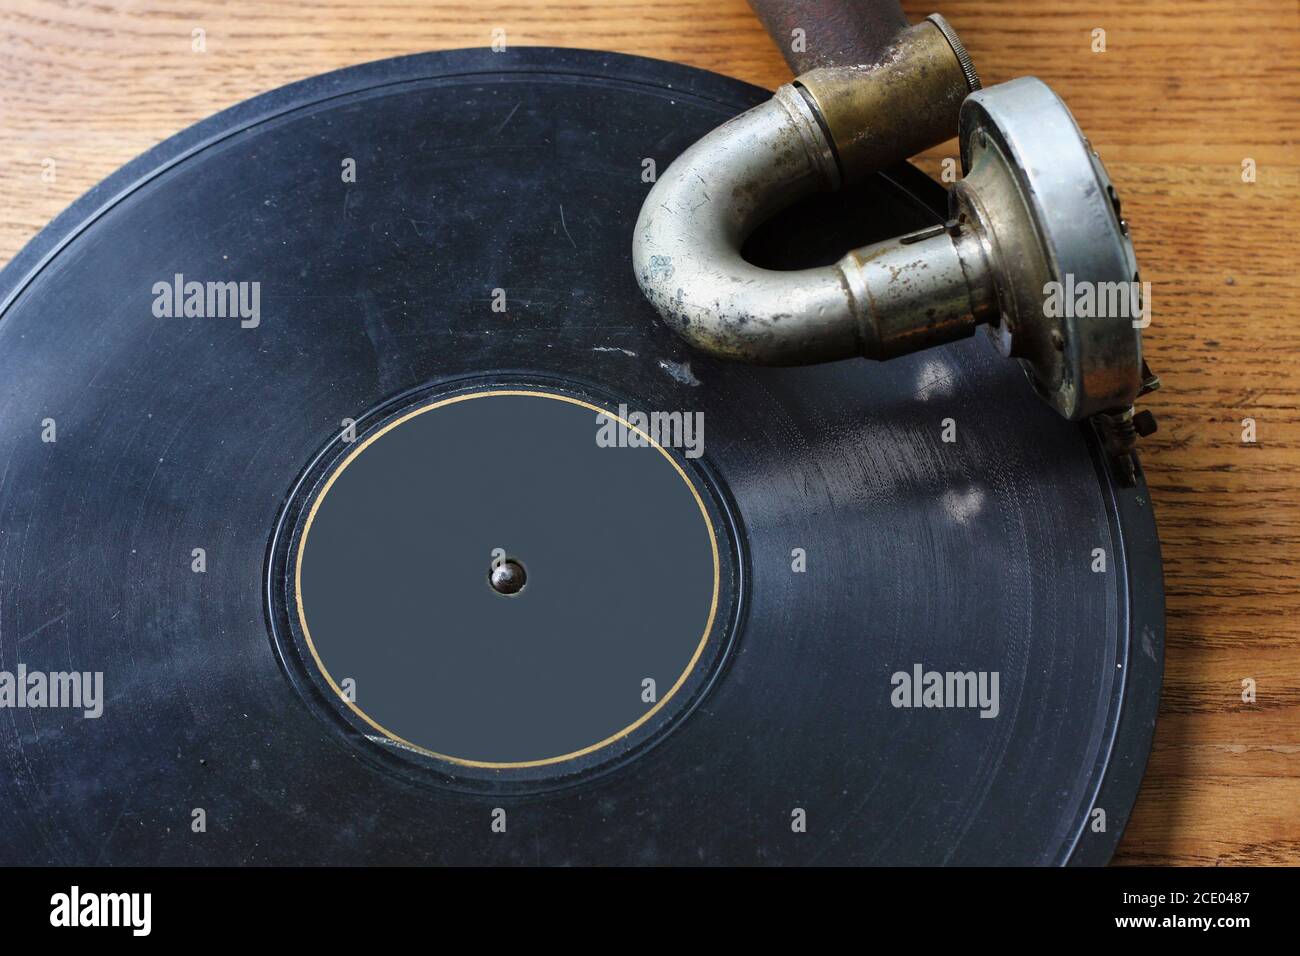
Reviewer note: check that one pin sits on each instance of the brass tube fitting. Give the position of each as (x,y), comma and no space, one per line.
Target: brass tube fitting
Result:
(881,114)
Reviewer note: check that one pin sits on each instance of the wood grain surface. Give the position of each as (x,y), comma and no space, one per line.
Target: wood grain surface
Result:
(1185,92)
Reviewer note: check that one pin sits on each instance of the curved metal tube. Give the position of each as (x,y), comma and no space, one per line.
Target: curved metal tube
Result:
(686,247)
(831,124)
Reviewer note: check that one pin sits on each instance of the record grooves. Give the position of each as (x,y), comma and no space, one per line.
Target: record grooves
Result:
(521,172)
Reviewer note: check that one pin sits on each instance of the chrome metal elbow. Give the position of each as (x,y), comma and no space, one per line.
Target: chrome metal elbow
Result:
(688,238)
(830,126)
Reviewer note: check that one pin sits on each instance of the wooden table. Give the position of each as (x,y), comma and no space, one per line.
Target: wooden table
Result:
(1185,92)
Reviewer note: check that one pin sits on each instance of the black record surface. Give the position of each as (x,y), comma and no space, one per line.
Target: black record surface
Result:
(522,172)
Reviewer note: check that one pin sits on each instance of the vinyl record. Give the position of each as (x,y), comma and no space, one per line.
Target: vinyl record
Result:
(339,440)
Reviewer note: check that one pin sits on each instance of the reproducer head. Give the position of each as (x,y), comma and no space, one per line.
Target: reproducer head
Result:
(1035,248)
